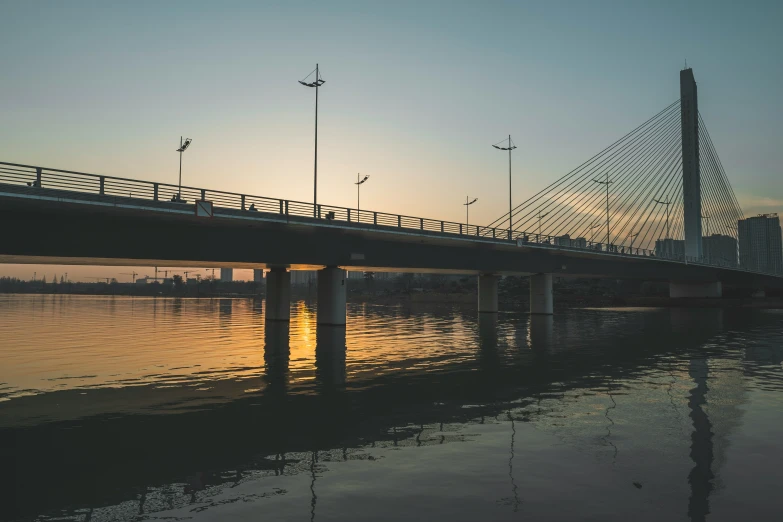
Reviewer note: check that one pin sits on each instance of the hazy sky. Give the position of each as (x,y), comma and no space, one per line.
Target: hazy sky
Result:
(415,94)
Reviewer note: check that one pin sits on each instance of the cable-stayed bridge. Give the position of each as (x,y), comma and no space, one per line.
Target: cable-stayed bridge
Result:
(635,210)
(644,201)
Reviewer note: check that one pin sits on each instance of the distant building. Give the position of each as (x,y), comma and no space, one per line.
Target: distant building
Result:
(760,243)
(579,242)
(303,277)
(670,248)
(720,249)
(566,241)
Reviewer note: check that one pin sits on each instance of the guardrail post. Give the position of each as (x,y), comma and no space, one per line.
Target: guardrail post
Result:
(493,233)
(319,211)
(477,230)
(460,229)
(243,202)
(421,226)
(203,195)
(374,218)
(38,176)
(442,228)
(281,207)
(399,221)
(349,215)
(103,184)
(155,192)
(286,207)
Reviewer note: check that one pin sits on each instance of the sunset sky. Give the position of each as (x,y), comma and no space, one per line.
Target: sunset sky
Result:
(415,94)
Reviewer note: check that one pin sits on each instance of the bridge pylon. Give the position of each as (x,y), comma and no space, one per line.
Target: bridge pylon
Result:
(691,171)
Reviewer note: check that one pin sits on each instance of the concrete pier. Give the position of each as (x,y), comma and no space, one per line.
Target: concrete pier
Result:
(680,290)
(331,296)
(278,295)
(258,275)
(330,354)
(541,300)
(541,330)
(488,293)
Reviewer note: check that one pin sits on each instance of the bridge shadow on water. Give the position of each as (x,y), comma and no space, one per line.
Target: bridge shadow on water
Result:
(524,370)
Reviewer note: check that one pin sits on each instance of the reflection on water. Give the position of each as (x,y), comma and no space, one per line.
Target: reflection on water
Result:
(141,409)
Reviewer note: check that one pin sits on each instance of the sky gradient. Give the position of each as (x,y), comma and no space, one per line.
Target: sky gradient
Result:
(415,94)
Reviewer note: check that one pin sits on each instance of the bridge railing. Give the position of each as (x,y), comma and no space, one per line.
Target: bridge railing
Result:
(57,179)
(121,188)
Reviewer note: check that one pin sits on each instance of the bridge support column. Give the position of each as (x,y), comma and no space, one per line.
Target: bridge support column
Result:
(680,290)
(330,355)
(331,296)
(541,299)
(258,275)
(488,293)
(278,295)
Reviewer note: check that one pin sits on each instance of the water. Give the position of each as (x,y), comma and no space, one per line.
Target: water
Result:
(128,409)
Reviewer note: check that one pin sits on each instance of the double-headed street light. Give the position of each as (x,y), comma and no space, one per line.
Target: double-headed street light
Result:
(467,211)
(358,186)
(667,203)
(509,147)
(607,183)
(316,83)
(540,215)
(632,237)
(183,145)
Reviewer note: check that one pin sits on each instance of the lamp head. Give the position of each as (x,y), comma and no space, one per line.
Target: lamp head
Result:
(316,83)
(184,145)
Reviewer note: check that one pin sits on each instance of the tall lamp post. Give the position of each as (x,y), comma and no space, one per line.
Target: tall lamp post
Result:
(632,237)
(607,183)
(316,83)
(183,145)
(667,203)
(358,186)
(707,217)
(540,215)
(510,146)
(467,211)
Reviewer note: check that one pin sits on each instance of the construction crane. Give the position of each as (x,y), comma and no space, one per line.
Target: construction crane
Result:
(132,274)
(107,279)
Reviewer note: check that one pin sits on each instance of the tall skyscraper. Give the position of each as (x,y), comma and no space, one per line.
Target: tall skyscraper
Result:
(720,249)
(760,243)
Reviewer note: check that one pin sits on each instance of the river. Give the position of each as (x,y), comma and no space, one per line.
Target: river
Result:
(128,409)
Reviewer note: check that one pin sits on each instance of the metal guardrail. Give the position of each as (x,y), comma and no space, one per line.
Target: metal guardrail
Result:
(81,182)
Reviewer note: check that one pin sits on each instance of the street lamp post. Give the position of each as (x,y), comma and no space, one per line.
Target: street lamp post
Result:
(607,183)
(183,145)
(509,148)
(667,203)
(358,185)
(540,215)
(632,237)
(316,84)
(467,211)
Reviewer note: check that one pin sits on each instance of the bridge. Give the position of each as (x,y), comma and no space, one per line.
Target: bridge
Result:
(634,210)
